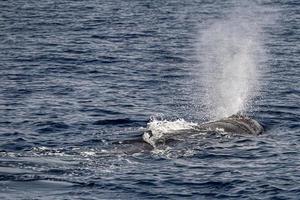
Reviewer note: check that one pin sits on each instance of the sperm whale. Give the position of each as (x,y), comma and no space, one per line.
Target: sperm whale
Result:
(234,124)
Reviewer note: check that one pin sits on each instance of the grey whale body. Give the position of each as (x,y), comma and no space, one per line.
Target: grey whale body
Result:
(235,124)
(238,124)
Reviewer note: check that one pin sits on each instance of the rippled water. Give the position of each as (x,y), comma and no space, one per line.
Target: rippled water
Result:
(78,77)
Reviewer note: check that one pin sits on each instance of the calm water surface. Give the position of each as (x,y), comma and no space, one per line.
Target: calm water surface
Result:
(79,76)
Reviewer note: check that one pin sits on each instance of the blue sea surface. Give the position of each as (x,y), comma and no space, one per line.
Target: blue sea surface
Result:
(79,77)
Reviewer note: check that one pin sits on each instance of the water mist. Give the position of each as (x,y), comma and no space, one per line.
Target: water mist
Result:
(229,52)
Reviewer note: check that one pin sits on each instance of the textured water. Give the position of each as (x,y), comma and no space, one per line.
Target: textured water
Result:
(77,77)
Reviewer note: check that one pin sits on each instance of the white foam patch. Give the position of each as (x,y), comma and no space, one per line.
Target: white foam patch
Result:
(159,128)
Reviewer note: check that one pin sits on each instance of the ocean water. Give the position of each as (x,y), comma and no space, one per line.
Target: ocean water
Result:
(78,78)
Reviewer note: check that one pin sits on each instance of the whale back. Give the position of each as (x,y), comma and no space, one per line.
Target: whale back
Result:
(234,124)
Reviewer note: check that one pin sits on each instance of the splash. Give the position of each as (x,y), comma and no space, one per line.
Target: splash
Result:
(160,128)
(230,52)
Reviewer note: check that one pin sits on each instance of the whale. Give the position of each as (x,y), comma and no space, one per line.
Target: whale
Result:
(234,124)
(237,123)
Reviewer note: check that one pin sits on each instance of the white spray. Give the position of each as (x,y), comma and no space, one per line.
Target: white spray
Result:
(231,60)
(230,51)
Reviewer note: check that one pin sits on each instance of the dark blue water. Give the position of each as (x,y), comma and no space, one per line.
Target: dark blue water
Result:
(79,76)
